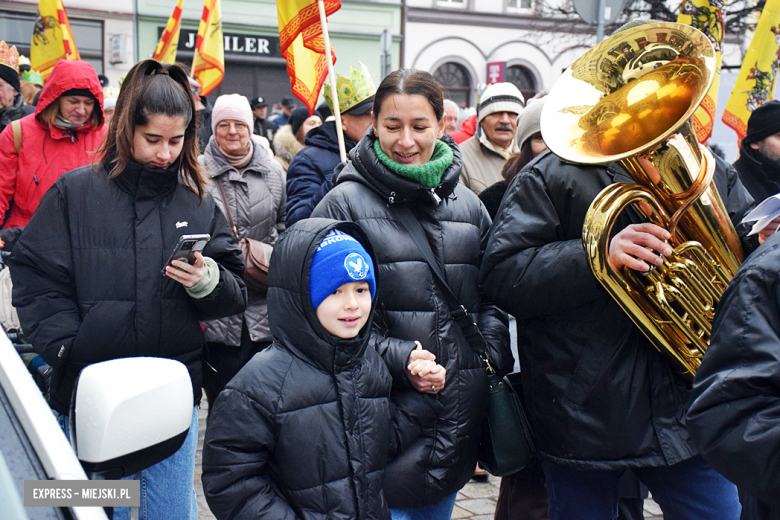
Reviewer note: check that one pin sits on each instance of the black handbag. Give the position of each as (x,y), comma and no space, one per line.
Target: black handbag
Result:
(505,445)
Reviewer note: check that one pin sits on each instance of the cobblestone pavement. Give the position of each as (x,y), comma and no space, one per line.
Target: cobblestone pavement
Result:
(476,501)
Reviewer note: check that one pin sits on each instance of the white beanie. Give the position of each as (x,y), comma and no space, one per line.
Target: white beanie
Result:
(500,97)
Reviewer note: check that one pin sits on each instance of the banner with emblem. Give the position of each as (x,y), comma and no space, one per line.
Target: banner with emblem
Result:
(208,64)
(165,51)
(52,39)
(757,77)
(706,16)
(303,46)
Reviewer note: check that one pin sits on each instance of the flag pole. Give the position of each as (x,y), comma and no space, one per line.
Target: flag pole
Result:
(332,79)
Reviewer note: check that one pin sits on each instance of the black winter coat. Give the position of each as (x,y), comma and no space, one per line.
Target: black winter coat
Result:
(599,395)
(87,273)
(759,175)
(735,416)
(310,172)
(304,431)
(412,307)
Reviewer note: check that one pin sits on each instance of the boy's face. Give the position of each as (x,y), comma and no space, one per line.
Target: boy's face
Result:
(344,312)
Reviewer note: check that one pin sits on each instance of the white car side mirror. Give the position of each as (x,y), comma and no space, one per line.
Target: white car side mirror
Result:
(128,414)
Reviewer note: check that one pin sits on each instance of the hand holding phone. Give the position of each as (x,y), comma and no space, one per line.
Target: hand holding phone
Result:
(188,268)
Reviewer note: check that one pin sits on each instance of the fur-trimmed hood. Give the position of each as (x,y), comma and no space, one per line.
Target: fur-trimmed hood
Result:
(286,146)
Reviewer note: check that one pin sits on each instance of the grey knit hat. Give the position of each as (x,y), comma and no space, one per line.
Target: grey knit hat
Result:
(529,121)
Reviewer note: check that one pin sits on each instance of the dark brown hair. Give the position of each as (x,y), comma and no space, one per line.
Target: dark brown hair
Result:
(152,88)
(408,82)
(515,163)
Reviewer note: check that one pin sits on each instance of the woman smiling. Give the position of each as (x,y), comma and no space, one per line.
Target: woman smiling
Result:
(406,164)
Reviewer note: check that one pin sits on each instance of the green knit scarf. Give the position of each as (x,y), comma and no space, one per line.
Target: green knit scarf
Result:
(427,175)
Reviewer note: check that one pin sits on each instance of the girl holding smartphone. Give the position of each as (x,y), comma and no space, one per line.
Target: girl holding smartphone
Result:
(87,270)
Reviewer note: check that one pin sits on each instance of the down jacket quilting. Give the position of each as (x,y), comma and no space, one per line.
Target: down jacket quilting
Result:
(412,307)
(87,273)
(735,415)
(256,199)
(305,429)
(310,172)
(599,395)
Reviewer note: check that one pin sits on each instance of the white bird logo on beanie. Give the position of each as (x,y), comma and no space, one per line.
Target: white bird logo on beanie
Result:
(356,266)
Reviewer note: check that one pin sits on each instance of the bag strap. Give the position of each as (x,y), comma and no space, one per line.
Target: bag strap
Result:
(16,128)
(459,312)
(226,205)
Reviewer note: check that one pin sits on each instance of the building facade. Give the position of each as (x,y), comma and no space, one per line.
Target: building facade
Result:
(104,33)
(253,62)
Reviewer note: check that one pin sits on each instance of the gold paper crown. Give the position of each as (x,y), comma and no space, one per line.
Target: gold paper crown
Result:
(9,57)
(351,91)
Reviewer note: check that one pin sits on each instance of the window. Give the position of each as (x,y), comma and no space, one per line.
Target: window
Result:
(522,78)
(18,28)
(455,80)
(452,3)
(519,5)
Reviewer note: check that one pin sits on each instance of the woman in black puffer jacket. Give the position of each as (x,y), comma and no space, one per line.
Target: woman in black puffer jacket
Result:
(411,163)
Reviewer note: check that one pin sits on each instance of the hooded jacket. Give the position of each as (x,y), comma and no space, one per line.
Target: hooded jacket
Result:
(87,272)
(412,307)
(310,172)
(599,395)
(256,200)
(47,152)
(735,416)
(305,429)
(759,175)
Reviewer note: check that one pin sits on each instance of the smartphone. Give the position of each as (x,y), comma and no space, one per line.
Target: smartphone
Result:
(186,247)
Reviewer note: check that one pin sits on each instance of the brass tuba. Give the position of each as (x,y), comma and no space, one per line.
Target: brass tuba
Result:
(630,99)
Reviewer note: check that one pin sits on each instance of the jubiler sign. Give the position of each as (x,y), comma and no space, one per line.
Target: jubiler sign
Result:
(234,43)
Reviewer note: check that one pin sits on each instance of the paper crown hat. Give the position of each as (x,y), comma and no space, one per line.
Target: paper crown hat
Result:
(30,76)
(9,57)
(353,90)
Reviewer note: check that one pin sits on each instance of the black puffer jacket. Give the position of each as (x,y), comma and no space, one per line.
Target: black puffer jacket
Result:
(599,395)
(304,430)
(735,416)
(87,273)
(412,307)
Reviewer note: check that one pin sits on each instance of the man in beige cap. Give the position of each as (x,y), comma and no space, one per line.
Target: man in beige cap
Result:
(484,154)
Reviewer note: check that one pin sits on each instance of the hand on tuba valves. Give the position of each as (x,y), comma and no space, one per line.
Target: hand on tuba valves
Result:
(638,245)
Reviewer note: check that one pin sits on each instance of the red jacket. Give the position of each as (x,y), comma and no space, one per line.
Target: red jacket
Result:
(467,129)
(47,152)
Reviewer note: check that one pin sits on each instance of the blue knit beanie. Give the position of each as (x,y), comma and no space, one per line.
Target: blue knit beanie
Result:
(340,259)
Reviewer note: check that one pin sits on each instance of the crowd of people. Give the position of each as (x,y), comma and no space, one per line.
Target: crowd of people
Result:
(343,387)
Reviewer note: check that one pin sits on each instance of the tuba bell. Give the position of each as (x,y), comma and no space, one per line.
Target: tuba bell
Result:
(630,99)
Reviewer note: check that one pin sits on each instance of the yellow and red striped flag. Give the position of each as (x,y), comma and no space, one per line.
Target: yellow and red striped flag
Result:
(169,41)
(303,46)
(52,39)
(208,64)
(706,16)
(758,75)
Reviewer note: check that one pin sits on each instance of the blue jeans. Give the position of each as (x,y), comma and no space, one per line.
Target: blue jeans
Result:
(689,490)
(167,490)
(440,511)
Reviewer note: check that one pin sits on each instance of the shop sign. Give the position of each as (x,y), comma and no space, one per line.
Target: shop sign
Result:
(495,72)
(244,44)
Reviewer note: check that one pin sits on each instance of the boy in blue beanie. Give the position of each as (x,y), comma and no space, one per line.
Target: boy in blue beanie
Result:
(306,428)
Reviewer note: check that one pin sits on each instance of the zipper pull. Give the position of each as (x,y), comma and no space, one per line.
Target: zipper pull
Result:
(435,196)
(391,198)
